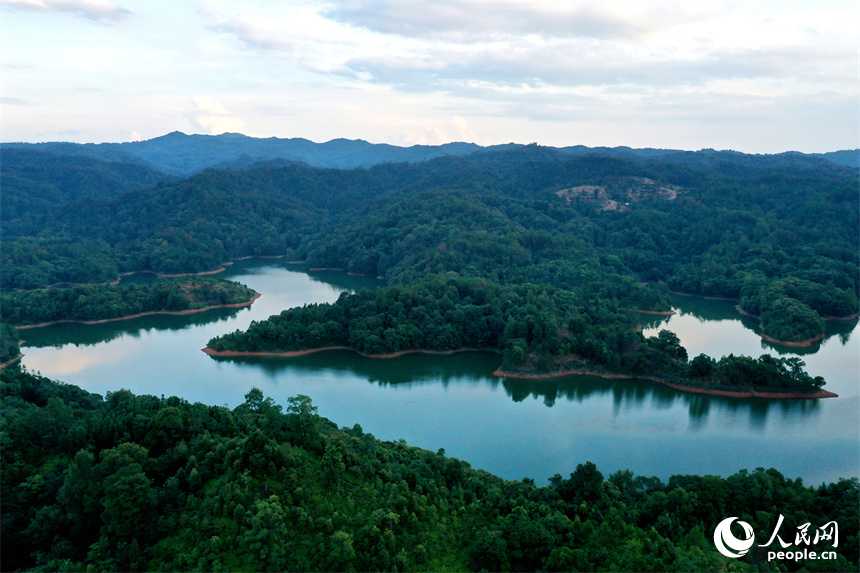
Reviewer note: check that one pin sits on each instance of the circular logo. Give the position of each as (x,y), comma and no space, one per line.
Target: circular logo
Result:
(727,543)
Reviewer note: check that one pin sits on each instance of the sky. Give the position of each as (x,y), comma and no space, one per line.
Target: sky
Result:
(753,76)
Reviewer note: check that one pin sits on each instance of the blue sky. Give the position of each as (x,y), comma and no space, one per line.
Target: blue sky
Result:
(760,77)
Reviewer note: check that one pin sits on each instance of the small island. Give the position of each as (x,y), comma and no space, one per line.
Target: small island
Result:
(793,311)
(539,331)
(95,303)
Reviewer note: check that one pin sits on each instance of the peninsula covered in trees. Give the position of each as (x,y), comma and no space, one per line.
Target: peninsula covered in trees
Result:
(538,330)
(93,303)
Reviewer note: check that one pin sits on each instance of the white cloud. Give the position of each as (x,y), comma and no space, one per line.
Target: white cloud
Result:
(99,11)
(753,76)
(478,21)
(457,129)
(14,101)
(253,33)
(213,118)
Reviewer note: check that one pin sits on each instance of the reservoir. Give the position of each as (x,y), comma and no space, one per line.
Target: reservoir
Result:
(512,428)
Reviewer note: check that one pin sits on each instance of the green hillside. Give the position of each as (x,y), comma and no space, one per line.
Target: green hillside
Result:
(135,482)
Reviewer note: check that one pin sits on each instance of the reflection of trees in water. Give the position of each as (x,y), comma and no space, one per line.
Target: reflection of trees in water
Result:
(707,309)
(710,310)
(633,395)
(342,280)
(78,334)
(838,328)
(474,367)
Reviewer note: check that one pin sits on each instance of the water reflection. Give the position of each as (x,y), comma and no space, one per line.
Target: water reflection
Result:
(77,334)
(838,329)
(627,397)
(700,407)
(637,395)
(510,427)
(344,281)
(410,369)
(725,312)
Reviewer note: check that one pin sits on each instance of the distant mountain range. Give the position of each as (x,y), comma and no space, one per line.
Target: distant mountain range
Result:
(178,154)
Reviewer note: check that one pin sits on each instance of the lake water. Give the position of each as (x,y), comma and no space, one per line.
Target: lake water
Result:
(514,429)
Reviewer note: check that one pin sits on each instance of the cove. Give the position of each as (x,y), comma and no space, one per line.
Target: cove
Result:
(513,428)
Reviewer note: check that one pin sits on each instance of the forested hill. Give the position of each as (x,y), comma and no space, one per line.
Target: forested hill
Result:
(138,483)
(783,240)
(181,154)
(32,179)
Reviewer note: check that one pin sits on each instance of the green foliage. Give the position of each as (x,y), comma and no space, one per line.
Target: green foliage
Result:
(119,484)
(534,328)
(791,309)
(100,302)
(31,179)
(9,347)
(443,314)
(530,252)
(790,320)
(740,227)
(766,372)
(34,263)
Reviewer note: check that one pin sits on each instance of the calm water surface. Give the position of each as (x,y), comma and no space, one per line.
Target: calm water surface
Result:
(511,428)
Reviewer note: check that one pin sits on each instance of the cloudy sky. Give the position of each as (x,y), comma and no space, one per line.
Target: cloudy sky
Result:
(759,77)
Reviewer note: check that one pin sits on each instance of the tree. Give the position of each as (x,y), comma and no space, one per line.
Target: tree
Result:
(301,406)
(254,400)
(265,534)
(702,366)
(127,501)
(341,552)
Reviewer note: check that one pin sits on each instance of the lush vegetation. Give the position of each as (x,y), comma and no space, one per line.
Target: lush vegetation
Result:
(766,232)
(536,329)
(536,253)
(33,263)
(132,483)
(9,343)
(100,302)
(33,179)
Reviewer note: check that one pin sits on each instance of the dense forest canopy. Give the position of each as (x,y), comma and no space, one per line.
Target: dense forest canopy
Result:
(781,236)
(536,329)
(537,253)
(32,179)
(107,302)
(135,482)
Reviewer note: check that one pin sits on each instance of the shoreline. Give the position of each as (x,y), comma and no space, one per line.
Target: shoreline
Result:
(200,274)
(801,344)
(787,343)
(704,296)
(220,269)
(10,362)
(819,394)
(295,353)
(654,312)
(141,314)
(745,313)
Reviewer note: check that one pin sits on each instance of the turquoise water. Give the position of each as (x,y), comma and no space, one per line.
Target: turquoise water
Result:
(511,428)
